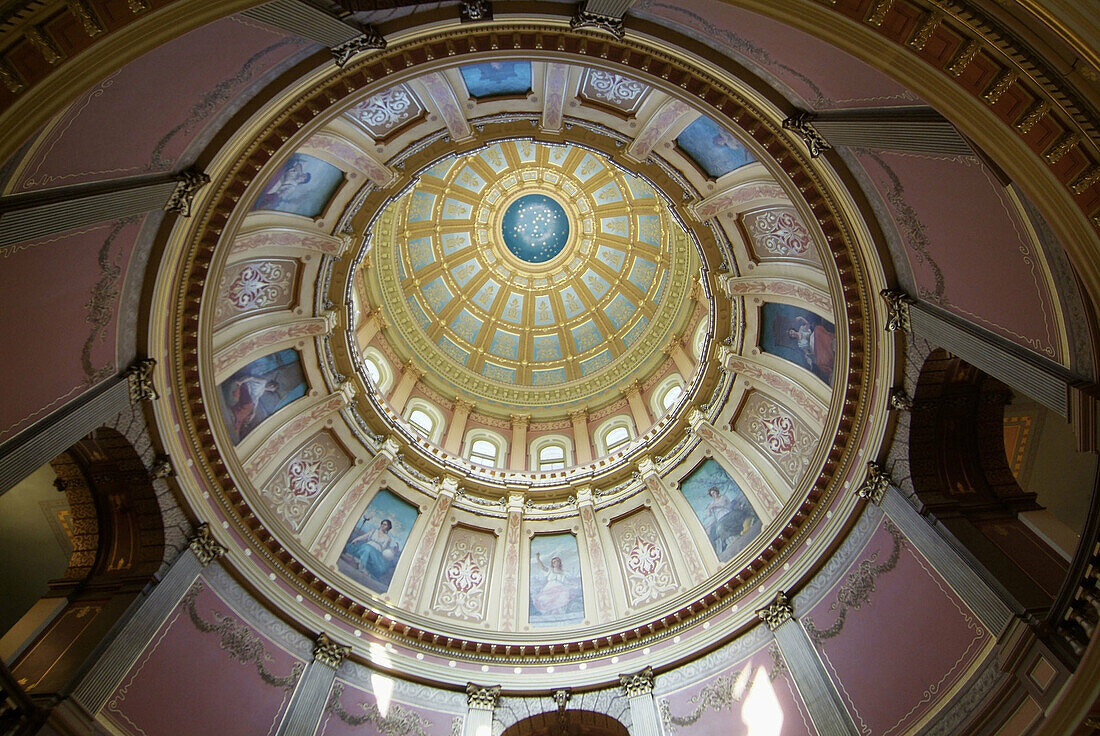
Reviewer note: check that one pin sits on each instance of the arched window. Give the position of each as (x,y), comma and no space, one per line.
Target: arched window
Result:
(485,447)
(699,337)
(484,452)
(613,434)
(551,457)
(666,395)
(378,369)
(550,452)
(421,423)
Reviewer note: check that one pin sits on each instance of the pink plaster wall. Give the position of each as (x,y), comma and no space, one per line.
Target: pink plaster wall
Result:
(734,688)
(358,704)
(59,336)
(139,119)
(967,245)
(902,650)
(183,667)
(822,75)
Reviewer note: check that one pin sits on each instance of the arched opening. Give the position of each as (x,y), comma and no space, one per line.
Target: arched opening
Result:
(567,723)
(963,476)
(116,535)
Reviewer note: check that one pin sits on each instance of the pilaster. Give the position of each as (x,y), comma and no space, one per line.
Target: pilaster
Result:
(518,459)
(638,688)
(480,702)
(400,395)
(307,704)
(459,417)
(582,441)
(96,686)
(818,691)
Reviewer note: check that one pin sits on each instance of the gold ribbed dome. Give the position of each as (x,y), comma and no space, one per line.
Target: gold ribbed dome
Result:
(545,330)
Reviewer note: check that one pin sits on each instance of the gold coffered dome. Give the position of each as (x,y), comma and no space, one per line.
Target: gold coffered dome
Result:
(531,274)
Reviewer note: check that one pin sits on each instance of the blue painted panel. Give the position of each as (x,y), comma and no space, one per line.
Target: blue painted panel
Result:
(497,78)
(713,148)
(304,185)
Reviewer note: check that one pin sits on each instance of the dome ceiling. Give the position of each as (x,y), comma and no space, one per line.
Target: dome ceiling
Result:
(543,267)
(532,266)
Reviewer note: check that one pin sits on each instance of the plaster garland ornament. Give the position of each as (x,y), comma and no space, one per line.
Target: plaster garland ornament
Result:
(897,310)
(481,697)
(800,124)
(875,484)
(328,652)
(206,548)
(776,613)
(140,379)
(637,684)
(189,183)
(370,40)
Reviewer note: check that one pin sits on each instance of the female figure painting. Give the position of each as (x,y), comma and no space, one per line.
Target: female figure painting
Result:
(800,336)
(556,597)
(375,544)
(260,389)
(497,78)
(303,186)
(712,147)
(721,506)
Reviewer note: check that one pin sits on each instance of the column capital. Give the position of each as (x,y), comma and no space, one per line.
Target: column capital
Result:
(674,343)
(646,466)
(586,19)
(520,420)
(874,484)
(482,697)
(776,613)
(139,377)
(631,388)
(801,124)
(413,370)
(585,496)
(515,503)
(637,683)
(461,404)
(900,399)
(189,182)
(206,548)
(579,415)
(328,652)
(369,40)
(696,417)
(390,447)
(897,310)
(161,468)
(449,486)
(347,390)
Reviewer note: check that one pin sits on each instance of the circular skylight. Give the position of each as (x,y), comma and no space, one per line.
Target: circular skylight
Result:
(535,228)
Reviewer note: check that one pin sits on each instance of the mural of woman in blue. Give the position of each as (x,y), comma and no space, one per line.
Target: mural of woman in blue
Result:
(376,551)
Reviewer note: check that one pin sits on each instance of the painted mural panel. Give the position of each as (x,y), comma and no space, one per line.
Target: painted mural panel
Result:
(781,436)
(462,590)
(303,186)
(304,478)
(497,78)
(556,596)
(778,234)
(722,508)
(799,336)
(256,287)
(375,544)
(713,148)
(643,555)
(260,389)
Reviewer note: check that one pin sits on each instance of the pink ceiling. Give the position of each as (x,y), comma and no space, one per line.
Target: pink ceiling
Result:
(725,704)
(357,712)
(967,247)
(820,76)
(59,296)
(140,119)
(905,634)
(219,668)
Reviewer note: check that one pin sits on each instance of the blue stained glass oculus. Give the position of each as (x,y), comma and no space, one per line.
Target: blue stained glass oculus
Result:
(535,228)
